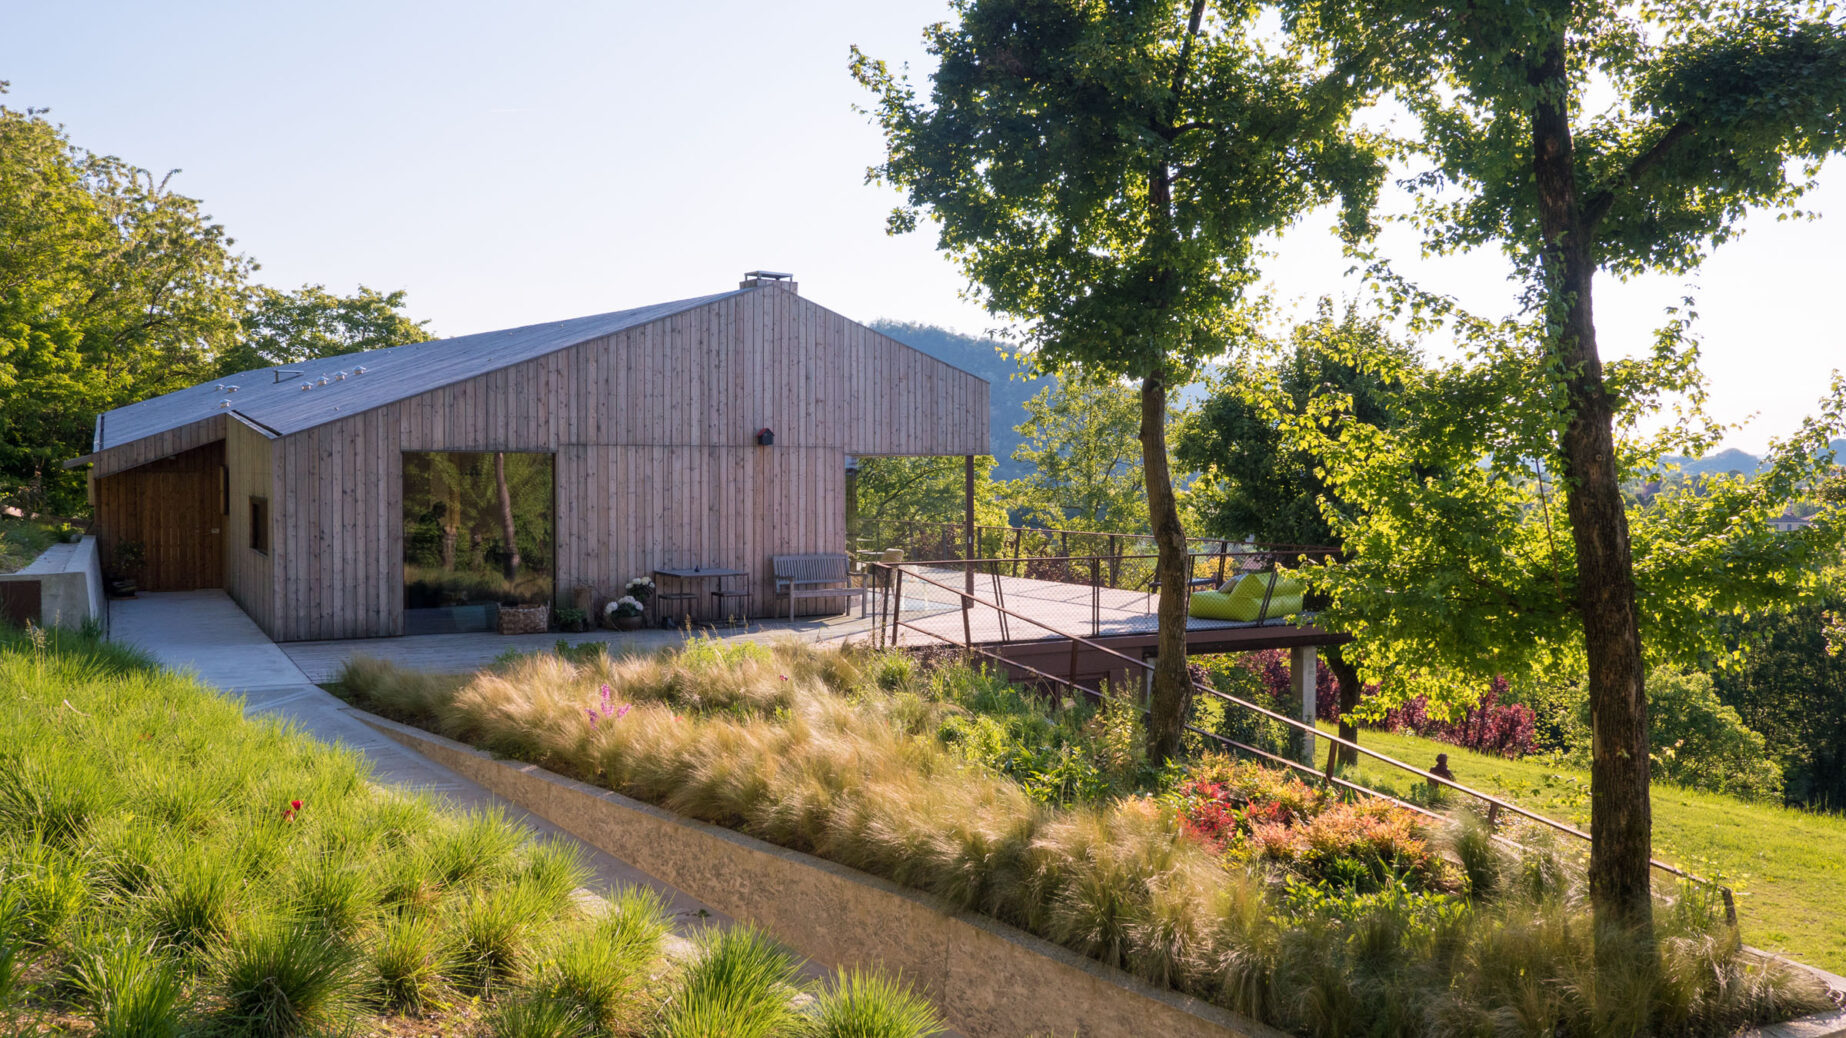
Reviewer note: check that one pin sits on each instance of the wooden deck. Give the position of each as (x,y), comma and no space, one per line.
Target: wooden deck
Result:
(1123,621)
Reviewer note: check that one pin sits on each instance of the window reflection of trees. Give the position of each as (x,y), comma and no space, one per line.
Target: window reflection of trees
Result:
(477,528)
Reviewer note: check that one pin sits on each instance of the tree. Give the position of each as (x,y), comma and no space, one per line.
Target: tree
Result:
(281,328)
(112,288)
(890,491)
(1703,111)
(1081,452)
(1103,171)
(1257,482)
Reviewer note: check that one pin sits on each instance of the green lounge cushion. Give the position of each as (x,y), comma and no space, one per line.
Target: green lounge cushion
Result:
(1244,601)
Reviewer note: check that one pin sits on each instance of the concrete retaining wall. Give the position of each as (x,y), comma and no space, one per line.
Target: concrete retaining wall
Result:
(987,978)
(70,580)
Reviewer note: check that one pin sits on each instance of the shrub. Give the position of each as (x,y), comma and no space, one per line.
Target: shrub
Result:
(1701,743)
(873,1005)
(1488,726)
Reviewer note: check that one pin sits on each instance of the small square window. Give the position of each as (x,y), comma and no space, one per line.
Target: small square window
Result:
(259,524)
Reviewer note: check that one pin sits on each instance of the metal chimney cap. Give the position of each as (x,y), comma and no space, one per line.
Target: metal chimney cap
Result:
(768,275)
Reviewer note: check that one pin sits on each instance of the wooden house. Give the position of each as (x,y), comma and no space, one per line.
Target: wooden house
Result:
(414,487)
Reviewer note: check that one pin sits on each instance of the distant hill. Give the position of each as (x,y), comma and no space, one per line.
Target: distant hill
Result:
(1011,389)
(1729,460)
(1733,460)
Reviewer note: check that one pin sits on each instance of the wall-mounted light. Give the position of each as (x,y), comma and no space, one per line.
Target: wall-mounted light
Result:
(765,437)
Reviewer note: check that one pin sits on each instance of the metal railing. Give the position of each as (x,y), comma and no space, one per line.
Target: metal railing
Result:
(1121,588)
(890,619)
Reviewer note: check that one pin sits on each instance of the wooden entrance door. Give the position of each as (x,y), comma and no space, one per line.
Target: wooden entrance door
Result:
(174,508)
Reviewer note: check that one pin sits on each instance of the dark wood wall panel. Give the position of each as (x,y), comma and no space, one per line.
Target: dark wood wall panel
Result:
(174,507)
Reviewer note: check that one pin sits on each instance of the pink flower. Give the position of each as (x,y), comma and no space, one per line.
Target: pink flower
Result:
(784,677)
(592,716)
(623,712)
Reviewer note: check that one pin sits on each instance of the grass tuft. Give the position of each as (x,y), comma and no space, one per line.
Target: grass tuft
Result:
(281,979)
(741,986)
(408,963)
(873,1005)
(125,988)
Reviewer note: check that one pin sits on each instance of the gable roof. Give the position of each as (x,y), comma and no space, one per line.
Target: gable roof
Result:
(391,374)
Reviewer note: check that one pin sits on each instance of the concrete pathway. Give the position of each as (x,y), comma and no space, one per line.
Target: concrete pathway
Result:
(206,633)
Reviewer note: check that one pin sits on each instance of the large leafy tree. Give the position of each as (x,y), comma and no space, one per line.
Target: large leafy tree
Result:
(290,327)
(1103,171)
(1584,137)
(1081,450)
(112,288)
(1255,480)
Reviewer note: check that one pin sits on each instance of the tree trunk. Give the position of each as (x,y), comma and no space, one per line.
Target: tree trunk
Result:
(506,516)
(1172,695)
(1347,676)
(1620,815)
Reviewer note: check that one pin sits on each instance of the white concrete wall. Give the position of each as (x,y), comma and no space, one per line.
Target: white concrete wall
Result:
(70,580)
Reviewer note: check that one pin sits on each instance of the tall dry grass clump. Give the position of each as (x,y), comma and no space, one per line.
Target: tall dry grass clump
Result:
(913,773)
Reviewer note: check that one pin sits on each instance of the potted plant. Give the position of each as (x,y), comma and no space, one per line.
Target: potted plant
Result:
(524,618)
(624,614)
(640,589)
(129,555)
(572,619)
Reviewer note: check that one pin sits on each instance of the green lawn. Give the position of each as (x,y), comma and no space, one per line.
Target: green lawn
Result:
(1788,866)
(22,540)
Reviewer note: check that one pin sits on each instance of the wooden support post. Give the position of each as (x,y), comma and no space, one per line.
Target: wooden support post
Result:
(967,602)
(1303,664)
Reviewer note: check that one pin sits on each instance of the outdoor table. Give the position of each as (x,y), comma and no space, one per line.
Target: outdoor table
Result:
(695,573)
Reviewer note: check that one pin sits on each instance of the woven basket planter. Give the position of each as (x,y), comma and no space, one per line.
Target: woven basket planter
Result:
(525,619)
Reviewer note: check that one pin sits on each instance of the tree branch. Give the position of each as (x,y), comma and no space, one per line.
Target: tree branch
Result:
(1600,203)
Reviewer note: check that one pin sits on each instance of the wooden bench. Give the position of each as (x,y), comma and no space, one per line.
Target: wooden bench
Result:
(821,575)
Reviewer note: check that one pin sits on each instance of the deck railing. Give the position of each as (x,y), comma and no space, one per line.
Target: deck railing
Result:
(891,619)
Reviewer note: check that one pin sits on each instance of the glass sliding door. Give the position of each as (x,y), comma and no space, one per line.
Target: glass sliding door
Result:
(477,534)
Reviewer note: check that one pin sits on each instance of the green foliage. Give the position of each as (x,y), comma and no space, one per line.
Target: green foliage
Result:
(741,984)
(1255,481)
(851,766)
(282,328)
(1791,687)
(126,988)
(282,979)
(600,968)
(117,288)
(1702,743)
(408,962)
(1081,453)
(872,1005)
(890,491)
(173,867)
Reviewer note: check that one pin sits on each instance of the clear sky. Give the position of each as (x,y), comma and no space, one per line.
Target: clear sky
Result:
(512,163)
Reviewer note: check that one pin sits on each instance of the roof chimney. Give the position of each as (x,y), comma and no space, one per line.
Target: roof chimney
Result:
(769,279)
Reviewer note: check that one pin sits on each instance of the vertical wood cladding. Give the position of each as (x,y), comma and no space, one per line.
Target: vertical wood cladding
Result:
(172,507)
(654,430)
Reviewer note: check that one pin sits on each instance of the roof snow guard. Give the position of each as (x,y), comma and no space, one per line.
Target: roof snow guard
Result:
(314,392)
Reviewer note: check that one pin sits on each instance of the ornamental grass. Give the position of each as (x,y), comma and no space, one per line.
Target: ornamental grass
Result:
(169,867)
(1313,913)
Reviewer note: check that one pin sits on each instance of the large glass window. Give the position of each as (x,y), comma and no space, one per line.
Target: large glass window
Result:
(477,535)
